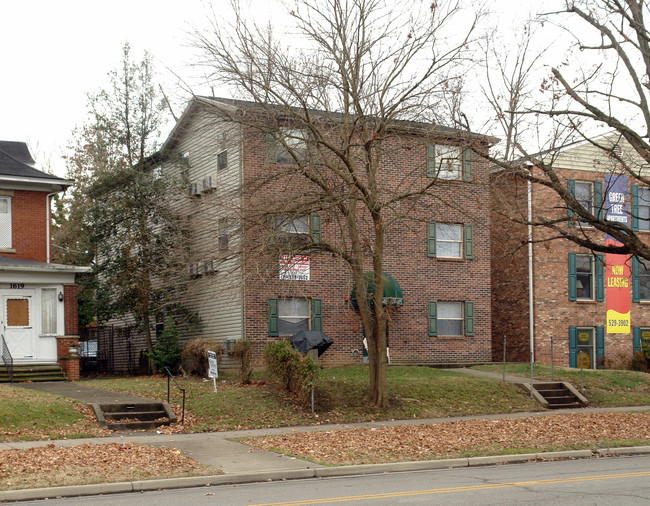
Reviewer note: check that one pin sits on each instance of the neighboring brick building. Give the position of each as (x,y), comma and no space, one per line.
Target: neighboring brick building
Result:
(38,297)
(439,254)
(562,285)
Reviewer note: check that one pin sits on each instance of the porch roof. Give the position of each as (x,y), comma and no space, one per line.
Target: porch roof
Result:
(18,264)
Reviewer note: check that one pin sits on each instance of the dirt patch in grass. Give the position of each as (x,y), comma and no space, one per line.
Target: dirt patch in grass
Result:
(462,438)
(50,466)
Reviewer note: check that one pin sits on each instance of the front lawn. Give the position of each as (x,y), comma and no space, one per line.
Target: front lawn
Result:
(341,397)
(603,387)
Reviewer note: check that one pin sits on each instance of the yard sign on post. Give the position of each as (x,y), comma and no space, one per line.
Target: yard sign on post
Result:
(212,368)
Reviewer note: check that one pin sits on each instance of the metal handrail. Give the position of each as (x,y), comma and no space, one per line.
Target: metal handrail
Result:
(7,358)
(170,376)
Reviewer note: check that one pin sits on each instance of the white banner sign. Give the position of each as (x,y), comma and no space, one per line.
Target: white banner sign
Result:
(294,268)
(212,363)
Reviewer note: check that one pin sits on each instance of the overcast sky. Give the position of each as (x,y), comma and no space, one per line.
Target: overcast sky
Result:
(55,52)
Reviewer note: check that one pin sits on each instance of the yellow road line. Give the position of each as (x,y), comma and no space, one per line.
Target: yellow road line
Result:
(448,490)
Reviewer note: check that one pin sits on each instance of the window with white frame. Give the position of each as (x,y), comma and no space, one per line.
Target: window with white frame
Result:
(293,315)
(295,141)
(450,318)
(449,240)
(49,311)
(448,159)
(584,194)
(585,277)
(5,222)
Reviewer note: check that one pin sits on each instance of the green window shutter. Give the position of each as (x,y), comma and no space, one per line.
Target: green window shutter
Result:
(634,190)
(468,172)
(598,199)
(573,346)
(468,241)
(571,186)
(431,160)
(600,345)
(433,319)
(573,293)
(273,318)
(636,286)
(317,314)
(469,319)
(431,240)
(315,225)
(636,339)
(600,278)
(271,149)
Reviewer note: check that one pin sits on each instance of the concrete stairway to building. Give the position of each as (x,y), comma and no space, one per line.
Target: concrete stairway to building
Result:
(559,395)
(32,372)
(133,416)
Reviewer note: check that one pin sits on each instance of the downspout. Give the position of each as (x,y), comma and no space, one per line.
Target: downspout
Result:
(531,319)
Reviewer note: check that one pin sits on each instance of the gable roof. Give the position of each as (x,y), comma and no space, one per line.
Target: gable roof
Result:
(234,106)
(17,165)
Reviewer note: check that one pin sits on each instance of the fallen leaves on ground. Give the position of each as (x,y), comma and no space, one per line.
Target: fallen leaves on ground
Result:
(431,441)
(46,466)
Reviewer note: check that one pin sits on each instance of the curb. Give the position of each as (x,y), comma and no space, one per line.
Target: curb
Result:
(297,474)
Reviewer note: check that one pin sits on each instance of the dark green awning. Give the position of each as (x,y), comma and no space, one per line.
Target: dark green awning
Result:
(393,294)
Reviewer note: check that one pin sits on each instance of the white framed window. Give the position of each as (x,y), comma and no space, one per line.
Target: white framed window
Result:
(449,240)
(586,348)
(5,222)
(585,277)
(448,159)
(157,173)
(450,318)
(49,311)
(584,194)
(295,140)
(293,315)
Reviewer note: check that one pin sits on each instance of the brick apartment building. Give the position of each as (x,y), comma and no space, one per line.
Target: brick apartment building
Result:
(39,308)
(437,259)
(556,294)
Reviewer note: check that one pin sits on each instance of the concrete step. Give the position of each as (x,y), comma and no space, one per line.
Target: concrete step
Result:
(134,416)
(559,395)
(32,372)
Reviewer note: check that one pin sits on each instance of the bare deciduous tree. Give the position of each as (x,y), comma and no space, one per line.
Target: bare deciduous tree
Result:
(358,82)
(598,94)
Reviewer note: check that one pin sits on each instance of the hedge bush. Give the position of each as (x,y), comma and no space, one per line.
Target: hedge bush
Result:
(243,350)
(295,371)
(195,355)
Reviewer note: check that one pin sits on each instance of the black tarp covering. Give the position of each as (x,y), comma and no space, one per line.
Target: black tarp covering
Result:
(306,340)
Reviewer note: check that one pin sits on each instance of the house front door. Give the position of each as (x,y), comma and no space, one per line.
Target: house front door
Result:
(18,325)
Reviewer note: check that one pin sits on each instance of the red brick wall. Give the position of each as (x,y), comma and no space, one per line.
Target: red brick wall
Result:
(71,310)
(68,360)
(422,279)
(553,312)
(29,225)
(510,297)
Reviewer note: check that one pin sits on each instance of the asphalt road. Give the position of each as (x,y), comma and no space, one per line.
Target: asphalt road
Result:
(622,480)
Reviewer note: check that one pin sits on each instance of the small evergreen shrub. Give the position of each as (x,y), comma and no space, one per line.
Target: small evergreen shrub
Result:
(295,371)
(195,355)
(166,351)
(243,350)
